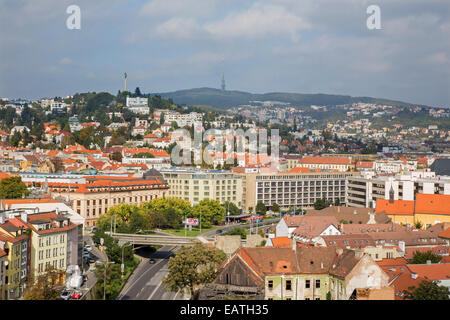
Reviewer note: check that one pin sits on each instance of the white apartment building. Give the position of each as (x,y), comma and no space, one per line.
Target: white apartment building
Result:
(137,102)
(291,190)
(138,105)
(195,185)
(363,191)
(182,120)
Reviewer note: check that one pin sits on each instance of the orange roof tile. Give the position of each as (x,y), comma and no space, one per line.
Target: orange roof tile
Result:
(435,271)
(399,207)
(281,242)
(445,233)
(325,160)
(433,204)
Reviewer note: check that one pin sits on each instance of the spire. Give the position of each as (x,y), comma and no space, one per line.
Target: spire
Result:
(223,82)
(391,195)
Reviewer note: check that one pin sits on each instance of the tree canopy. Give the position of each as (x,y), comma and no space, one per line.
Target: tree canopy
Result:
(232,208)
(13,188)
(193,267)
(209,212)
(422,257)
(427,290)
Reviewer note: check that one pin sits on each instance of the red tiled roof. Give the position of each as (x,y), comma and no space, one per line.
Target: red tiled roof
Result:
(445,234)
(392,262)
(281,242)
(399,207)
(435,271)
(325,160)
(433,204)
(10,202)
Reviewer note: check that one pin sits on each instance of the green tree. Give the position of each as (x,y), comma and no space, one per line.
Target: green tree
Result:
(261,208)
(275,207)
(320,204)
(427,290)
(45,286)
(238,232)
(13,188)
(418,225)
(422,257)
(209,212)
(161,205)
(192,268)
(129,219)
(231,208)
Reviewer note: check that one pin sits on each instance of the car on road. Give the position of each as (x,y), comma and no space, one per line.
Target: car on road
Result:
(88,247)
(151,260)
(65,295)
(89,260)
(87,255)
(219,231)
(76,295)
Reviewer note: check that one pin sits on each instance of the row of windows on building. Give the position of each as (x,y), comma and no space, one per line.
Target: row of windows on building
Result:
(51,240)
(54,263)
(48,253)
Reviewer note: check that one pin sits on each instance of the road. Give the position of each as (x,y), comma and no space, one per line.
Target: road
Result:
(266,223)
(145,282)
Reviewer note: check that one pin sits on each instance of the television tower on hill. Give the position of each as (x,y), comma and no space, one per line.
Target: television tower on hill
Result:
(125,80)
(223,82)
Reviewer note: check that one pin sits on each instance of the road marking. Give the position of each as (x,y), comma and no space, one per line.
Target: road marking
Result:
(154,291)
(132,284)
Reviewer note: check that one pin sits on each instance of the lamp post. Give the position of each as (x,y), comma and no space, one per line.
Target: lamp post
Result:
(123,264)
(104,277)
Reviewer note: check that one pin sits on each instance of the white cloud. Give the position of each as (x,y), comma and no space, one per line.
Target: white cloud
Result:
(257,22)
(65,60)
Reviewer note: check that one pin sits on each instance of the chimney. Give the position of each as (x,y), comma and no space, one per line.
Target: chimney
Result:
(57,211)
(24,217)
(294,244)
(355,212)
(429,262)
(339,251)
(401,244)
(414,275)
(2,217)
(321,265)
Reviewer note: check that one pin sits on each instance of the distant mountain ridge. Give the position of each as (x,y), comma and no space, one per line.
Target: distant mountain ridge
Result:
(228,99)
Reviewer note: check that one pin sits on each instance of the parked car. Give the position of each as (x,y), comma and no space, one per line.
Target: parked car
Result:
(76,295)
(151,260)
(88,247)
(65,295)
(85,278)
(90,260)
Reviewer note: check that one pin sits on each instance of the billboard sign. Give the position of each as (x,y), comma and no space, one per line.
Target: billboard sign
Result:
(192,222)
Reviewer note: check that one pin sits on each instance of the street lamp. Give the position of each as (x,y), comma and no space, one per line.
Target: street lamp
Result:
(123,264)
(104,277)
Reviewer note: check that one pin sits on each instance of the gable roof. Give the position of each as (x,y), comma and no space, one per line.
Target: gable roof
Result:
(310,226)
(399,207)
(281,242)
(350,214)
(434,271)
(433,204)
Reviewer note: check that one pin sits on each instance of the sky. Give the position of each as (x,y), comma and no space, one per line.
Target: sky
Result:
(307,46)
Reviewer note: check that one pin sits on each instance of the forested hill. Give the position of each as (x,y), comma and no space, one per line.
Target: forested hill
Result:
(227,99)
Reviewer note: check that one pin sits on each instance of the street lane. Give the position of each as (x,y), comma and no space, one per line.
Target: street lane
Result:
(145,283)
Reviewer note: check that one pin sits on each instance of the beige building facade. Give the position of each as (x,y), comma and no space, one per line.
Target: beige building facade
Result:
(195,185)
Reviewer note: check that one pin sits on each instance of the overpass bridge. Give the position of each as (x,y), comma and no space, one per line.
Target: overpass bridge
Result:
(162,240)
